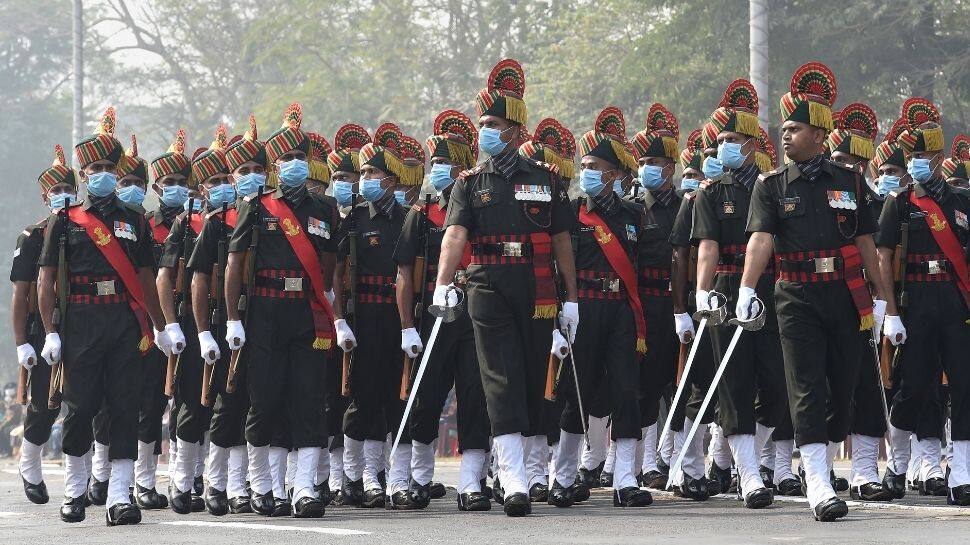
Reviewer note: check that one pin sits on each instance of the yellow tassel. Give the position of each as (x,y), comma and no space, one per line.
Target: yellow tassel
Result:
(933,139)
(670,147)
(626,160)
(819,115)
(394,165)
(763,160)
(867,322)
(411,174)
(567,169)
(321,344)
(544,312)
(144,343)
(272,180)
(515,110)
(642,346)
(746,123)
(319,171)
(861,147)
(460,154)
(355,159)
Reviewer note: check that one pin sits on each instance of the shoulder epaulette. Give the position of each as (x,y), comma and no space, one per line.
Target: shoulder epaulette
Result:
(771,173)
(543,165)
(690,196)
(471,172)
(846,166)
(902,191)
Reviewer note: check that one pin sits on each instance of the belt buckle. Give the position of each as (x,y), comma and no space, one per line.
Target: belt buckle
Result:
(935,266)
(293,284)
(824,264)
(461,276)
(105,287)
(611,286)
(511,249)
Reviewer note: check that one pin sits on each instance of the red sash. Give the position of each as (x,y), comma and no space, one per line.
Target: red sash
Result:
(307,255)
(946,239)
(437,217)
(111,249)
(622,266)
(159,230)
(852,274)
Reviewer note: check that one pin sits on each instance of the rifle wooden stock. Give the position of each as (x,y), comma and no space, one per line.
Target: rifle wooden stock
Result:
(207,400)
(898,263)
(22,381)
(405,378)
(54,390)
(345,375)
(551,372)
(682,361)
(170,376)
(59,315)
(233,366)
(885,363)
(418,275)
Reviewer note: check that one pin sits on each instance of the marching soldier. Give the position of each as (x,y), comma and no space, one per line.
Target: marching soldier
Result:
(374,377)
(655,148)
(809,214)
(516,216)
(933,215)
(58,185)
(605,238)
(956,168)
(454,362)
(288,319)
(104,321)
(344,163)
(226,464)
(132,183)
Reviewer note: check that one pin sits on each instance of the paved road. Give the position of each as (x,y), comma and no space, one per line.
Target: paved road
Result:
(719,521)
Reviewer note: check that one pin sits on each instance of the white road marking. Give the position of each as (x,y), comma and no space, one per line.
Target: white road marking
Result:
(272,527)
(5,514)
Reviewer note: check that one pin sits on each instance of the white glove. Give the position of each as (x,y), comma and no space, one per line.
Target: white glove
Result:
(52,348)
(209,347)
(894,330)
(878,312)
(684,326)
(235,334)
(330,296)
(744,310)
(559,347)
(569,319)
(411,342)
(163,342)
(26,355)
(344,335)
(701,298)
(445,296)
(176,337)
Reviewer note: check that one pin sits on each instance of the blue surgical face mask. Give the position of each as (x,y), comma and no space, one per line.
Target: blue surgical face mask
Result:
(102,184)
(221,194)
(174,196)
(401,197)
(196,204)
(441,176)
(618,188)
(132,194)
(887,183)
(920,170)
(713,167)
(729,153)
(651,176)
(490,141)
(343,192)
(294,173)
(61,200)
(591,181)
(689,184)
(247,184)
(371,189)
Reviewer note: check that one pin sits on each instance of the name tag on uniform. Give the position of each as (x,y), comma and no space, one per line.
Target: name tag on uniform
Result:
(317,227)
(125,230)
(631,233)
(917,215)
(540,193)
(585,229)
(961,218)
(842,199)
(728,207)
(788,204)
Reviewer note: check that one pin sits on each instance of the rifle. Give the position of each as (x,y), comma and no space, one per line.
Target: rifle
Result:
(23,381)
(420,279)
(175,360)
(351,309)
(54,390)
(889,354)
(215,318)
(243,304)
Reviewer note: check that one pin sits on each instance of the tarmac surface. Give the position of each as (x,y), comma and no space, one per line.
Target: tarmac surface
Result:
(721,520)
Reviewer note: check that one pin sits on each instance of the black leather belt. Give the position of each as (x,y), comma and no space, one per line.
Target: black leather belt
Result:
(605,285)
(101,288)
(933,266)
(280,284)
(504,249)
(817,265)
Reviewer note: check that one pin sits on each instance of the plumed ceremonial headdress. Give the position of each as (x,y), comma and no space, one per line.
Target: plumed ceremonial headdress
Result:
(454,137)
(505,92)
(659,136)
(102,145)
(347,144)
(58,173)
(855,131)
(607,140)
(813,92)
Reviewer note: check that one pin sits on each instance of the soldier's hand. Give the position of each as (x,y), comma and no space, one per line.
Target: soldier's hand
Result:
(445,296)
(209,348)
(569,319)
(26,355)
(685,327)
(176,337)
(878,313)
(559,347)
(163,342)
(702,300)
(411,342)
(345,336)
(235,334)
(894,330)
(748,305)
(52,348)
